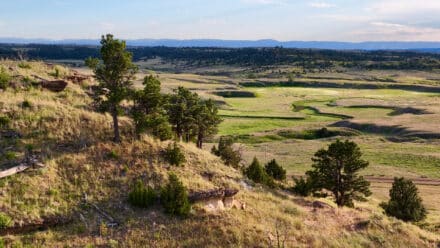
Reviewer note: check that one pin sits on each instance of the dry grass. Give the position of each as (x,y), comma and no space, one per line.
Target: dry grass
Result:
(81,161)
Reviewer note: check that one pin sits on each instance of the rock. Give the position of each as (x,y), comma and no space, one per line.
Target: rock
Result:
(54,86)
(319,204)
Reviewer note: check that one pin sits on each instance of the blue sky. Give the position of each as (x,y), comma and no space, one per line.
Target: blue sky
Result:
(336,20)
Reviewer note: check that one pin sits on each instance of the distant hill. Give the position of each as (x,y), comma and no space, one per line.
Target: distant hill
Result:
(397,45)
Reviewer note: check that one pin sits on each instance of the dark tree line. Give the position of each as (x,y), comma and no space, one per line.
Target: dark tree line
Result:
(199,56)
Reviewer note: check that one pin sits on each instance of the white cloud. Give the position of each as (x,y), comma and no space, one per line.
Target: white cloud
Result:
(384,31)
(321,5)
(404,7)
(264,2)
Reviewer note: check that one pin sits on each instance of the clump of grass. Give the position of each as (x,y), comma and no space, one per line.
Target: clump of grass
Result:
(4,78)
(112,155)
(24,65)
(10,155)
(5,221)
(4,121)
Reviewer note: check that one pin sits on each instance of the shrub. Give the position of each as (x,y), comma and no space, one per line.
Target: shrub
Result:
(24,65)
(26,104)
(174,155)
(405,203)
(274,170)
(226,152)
(4,121)
(112,155)
(5,221)
(256,173)
(303,187)
(142,196)
(10,155)
(174,197)
(4,78)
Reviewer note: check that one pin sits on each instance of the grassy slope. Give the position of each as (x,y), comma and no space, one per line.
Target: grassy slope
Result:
(73,142)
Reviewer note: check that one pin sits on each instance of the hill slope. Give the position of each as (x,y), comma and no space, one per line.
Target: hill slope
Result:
(86,180)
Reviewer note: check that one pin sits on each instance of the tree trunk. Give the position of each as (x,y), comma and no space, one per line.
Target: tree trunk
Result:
(200,141)
(117,137)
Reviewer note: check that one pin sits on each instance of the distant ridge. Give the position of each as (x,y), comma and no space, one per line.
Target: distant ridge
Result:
(334,45)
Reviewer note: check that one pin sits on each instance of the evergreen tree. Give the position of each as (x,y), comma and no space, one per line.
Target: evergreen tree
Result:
(207,121)
(405,203)
(336,169)
(255,172)
(182,110)
(174,197)
(148,111)
(226,152)
(114,72)
(274,170)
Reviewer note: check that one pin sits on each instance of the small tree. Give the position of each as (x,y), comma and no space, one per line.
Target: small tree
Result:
(275,170)
(114,72)
(256,173)
(207,121)
(148,110)
(174,197)
(142,196)
(302,187)
(336,169)
(182,110)
(226,152)
(405,203)
(174,155)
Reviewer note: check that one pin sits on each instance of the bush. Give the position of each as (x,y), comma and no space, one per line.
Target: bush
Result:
(4,121)
(174,155)
(142,196)
(4,78)
(26,104)
(24,65)
(274,170)
(154,124)
(226,152)
(256,173)
(5,221)
(174,197)
(405,203)
(303,187)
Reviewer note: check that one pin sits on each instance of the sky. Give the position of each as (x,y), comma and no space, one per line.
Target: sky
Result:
(284,20)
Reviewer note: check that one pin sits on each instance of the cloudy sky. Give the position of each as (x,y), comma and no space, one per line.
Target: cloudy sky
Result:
(329,20)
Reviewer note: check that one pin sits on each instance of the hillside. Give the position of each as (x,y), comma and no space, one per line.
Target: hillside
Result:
(80,189)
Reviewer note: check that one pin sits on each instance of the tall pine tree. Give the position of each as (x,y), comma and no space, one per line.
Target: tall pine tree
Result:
(114,72)
(336,170)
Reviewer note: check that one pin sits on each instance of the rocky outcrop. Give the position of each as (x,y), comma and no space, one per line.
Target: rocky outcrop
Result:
(54,86)
(217,199)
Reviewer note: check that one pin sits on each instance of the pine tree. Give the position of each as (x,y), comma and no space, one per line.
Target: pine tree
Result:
(336,169)
(207,121)
(182,110)
(148,111)
(405,203)
(114,72)
(275,170)
(174,197)
(226,152)
(256,173)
